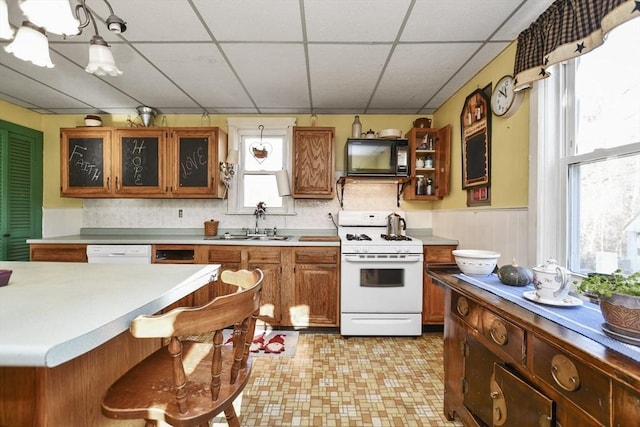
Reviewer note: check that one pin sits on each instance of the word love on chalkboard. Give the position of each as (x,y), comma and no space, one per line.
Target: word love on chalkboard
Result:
(140,161)
(194,162)
(86,162)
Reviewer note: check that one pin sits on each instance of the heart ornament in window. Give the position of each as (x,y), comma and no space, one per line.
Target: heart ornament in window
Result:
(260,150)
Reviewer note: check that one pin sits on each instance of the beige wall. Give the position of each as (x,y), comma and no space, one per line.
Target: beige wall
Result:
(509,168)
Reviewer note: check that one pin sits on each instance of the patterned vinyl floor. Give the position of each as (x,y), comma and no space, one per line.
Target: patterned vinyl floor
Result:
(359,382)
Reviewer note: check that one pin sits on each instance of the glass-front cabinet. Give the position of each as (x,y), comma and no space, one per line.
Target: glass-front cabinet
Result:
(430,160)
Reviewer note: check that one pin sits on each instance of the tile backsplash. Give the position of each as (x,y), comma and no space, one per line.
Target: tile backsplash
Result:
(163,213)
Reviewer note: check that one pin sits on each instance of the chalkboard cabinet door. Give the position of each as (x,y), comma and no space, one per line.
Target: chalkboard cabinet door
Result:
(139,157)
(313,162)
(195,155)
(429,158)
(86,162)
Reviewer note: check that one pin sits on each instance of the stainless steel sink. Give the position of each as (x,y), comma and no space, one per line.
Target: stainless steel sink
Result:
(229,237)
(246,237)
(270,237)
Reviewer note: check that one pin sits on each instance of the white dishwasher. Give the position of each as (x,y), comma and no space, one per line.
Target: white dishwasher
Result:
(119,254)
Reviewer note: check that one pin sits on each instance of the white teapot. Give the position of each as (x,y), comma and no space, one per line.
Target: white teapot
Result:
(551,280)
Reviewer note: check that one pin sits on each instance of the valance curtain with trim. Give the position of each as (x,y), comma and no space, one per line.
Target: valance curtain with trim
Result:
(567,29)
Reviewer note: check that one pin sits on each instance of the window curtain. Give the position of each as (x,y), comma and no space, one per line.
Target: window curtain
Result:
(567,29)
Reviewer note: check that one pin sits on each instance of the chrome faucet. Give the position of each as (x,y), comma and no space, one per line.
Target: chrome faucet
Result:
(260,212)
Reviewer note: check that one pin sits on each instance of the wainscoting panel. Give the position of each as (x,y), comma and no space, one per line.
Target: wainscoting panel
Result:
(501,230)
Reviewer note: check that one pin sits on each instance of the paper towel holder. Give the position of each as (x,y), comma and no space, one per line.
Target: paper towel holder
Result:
(282,180)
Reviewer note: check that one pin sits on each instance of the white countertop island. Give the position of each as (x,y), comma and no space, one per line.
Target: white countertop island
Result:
(64,333)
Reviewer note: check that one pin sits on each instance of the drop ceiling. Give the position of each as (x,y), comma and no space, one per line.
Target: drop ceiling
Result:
(272,57)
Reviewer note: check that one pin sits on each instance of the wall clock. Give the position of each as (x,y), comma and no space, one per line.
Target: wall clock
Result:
(505,100)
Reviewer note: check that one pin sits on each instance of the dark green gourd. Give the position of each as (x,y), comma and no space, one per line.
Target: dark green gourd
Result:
(515,275)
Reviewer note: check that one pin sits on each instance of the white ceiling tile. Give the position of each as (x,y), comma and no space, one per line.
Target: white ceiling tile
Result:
(200,70)
(416,72)
(33,93)
(529,12)
(345,76)
(354,20)
(459,20)
(246,20)
(275,74)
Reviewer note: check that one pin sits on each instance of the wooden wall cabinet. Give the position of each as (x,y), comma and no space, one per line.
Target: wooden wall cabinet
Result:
(195,156)
(432,294)
(85,162)
(313,163)
(433,148)
(142,162)
(505,365)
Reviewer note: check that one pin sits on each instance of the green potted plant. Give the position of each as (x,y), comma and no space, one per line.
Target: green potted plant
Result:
(619,298)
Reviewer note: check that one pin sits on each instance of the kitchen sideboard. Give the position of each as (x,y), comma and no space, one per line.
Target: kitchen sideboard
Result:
(506,365)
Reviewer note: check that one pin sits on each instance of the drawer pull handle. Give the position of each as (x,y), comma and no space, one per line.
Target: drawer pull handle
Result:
(462,306)
(498,403)
(498,332)
(565,373)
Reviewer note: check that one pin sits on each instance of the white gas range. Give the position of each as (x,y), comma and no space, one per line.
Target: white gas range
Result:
(380,277)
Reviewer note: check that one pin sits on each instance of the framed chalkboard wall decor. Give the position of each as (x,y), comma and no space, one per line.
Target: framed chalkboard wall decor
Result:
(475,125)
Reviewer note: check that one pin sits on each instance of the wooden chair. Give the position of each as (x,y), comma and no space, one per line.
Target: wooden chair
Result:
(188,383)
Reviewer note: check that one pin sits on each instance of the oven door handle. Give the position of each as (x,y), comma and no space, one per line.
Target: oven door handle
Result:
(383,258)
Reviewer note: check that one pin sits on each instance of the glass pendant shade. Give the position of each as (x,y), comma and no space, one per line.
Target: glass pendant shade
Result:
(31,44)
(6,32)
(55,16)
(101,62)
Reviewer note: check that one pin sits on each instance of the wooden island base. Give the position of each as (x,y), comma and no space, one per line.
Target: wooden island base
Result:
(70,394)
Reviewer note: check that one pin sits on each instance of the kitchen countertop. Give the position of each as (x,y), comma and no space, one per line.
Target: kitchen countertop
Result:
(52,312)
(188,236)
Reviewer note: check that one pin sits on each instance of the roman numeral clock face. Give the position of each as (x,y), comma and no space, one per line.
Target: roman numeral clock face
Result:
(505,100)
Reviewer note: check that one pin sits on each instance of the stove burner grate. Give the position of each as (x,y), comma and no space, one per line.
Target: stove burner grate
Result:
(358,237)
(394,237)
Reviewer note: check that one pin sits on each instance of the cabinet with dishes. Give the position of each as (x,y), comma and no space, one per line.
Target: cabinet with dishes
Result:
(141,162)
(430,161)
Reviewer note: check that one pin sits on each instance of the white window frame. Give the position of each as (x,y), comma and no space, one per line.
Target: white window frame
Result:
(551,160)
(237,127)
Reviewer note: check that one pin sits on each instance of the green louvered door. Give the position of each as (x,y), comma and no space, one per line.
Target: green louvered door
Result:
(20,190)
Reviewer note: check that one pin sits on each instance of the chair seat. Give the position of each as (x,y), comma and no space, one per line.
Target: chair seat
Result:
(147,391)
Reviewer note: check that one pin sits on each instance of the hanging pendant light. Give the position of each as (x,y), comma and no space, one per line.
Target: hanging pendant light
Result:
(55,16)
(31,44)
(6,32)
(101,62)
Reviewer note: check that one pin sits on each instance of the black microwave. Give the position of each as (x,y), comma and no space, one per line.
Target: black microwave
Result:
(376,157)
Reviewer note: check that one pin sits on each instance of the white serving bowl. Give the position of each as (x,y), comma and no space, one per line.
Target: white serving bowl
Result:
(476,262)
